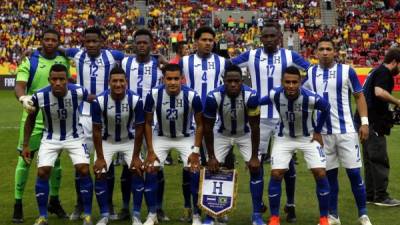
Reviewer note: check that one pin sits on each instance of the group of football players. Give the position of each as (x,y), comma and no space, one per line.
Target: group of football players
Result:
(142,107)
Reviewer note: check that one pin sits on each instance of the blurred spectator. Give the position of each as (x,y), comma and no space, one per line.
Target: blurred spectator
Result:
(290,42)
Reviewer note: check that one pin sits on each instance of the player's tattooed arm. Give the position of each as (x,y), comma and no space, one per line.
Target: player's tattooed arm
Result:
(136,164)
(151,159)
(100,166)
(28,128)
(254,163)
(194,158)
(212,163)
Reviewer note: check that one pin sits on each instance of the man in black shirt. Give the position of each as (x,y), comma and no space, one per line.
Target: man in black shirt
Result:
(377,90)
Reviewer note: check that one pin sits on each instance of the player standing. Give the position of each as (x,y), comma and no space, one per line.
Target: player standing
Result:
(175,106)
(93,65)
(266,66)
(295,106)
(203,72)
(335,82)
(115,113)
(143,74)
(59,104)
(237,108)
(33,75)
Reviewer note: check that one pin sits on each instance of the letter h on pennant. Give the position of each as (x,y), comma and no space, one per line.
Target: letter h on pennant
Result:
(217,187)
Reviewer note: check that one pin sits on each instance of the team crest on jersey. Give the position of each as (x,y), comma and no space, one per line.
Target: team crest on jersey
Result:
(124,107)
(332,74)
(67,102)
(211,65)
(277,59)
(218,192)
(147,70)
(297,107)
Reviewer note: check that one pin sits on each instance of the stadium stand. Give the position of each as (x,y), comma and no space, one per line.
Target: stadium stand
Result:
(21,25)
(360,34)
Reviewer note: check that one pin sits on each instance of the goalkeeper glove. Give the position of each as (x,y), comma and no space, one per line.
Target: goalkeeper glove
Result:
(27,103)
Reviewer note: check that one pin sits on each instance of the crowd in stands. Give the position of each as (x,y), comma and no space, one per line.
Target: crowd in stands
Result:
(117,18)
(21,24)
(364,28)
(170,18)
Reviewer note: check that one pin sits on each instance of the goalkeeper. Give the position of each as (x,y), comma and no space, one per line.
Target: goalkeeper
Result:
(33,75)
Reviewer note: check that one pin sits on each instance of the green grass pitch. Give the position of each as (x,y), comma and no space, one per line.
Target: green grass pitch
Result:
(306,204)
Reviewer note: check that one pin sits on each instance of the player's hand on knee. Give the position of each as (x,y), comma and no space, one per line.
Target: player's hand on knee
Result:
(99,167)
(26,155)
(136,166)
(152,162)
(194,162)
(213,164)
(254,164)
(317,137)
(363,133)
(27,103)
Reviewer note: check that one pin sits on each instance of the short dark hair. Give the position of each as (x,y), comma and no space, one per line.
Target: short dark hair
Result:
(171,67)
(392,54)
(51,31)
(94,30)
(181,44)
(202,30)
(116,70)
(143,32)
(233,68)
(326,38)
(291,70)
(271,23)
(58,68)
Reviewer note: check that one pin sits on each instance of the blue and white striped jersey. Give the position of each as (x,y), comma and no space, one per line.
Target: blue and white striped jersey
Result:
(61,113)
(232,113)
(117,118)
(174,113)
(203,74)
(266,71)
(93,73)
(296,116)
(335,85)
(142,77)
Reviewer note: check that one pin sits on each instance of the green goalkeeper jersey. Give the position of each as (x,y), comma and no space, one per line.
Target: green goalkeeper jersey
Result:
(35,72)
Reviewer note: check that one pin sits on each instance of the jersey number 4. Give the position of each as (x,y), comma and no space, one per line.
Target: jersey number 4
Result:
(204,77)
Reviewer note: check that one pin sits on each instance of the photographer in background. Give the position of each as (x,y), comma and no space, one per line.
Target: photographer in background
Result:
(378,92)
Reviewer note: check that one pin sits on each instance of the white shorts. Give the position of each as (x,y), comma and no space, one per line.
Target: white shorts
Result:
(222,145)
(284,147)
(162,145)
(267,130)
(50,149)
(342,148)
(125,148)
(86,122)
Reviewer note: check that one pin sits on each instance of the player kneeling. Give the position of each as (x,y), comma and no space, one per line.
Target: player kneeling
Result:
(174,105)
(59,104)
(237,107)
(115,112)
(296,107)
